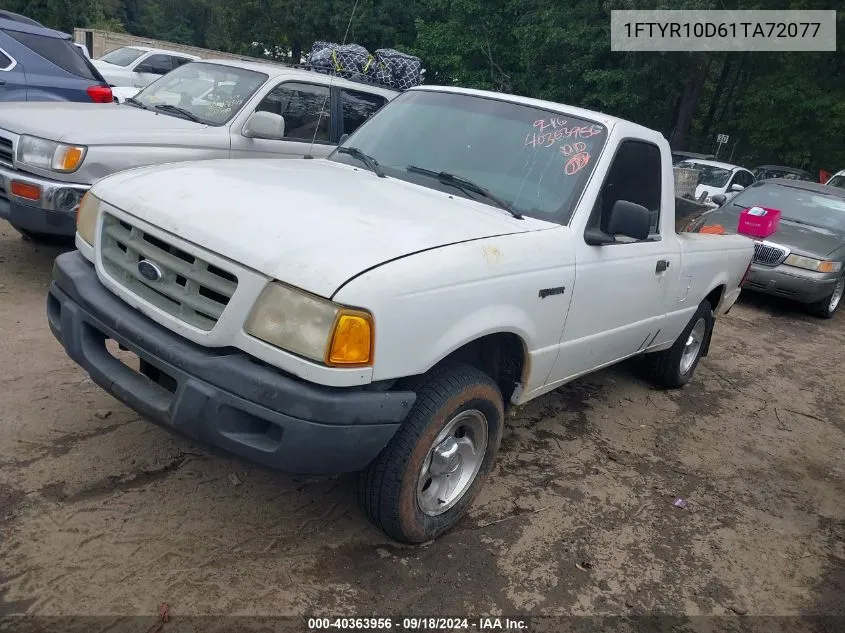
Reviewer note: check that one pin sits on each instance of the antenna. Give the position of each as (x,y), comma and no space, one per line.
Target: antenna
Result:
(331,85)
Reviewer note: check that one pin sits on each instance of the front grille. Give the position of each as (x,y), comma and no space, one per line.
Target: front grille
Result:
(769,255)
(190,288)
(6,151)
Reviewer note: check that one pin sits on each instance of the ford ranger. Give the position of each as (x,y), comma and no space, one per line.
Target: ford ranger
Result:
(379,309)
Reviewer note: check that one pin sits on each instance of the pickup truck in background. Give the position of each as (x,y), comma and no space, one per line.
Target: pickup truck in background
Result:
(379,309)
(51,153)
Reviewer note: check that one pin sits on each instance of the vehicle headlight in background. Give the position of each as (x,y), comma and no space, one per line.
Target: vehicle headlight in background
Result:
(44,154)
(312,327)
(808,263)
(86,217)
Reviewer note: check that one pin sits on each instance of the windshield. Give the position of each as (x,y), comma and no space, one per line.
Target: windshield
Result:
(710,176)
(211,93)
(122,56)
(797,205)
(837,181)
(536,161)
(765,174)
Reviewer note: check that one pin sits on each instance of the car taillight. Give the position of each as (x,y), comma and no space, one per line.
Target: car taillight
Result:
(100,94)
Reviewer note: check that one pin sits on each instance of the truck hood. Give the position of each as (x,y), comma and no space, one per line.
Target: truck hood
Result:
(310,223)
(814,241)
(90,123)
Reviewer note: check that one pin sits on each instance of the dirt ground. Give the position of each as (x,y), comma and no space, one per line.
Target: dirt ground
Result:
(104,513)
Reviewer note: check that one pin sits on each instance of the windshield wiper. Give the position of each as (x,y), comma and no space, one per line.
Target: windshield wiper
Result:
(134,102)
(166,107)
(368,160)
(465,185)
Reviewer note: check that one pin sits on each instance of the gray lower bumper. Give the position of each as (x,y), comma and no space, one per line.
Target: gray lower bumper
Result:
(220,397)
(790,282)
(42,215)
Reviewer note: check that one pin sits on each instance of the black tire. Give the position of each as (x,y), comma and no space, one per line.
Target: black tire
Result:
(387,489)
(826,308)
(665,368)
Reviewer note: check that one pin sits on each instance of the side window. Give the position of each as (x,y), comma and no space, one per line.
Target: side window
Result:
(58,51)
(155,64)
(6,62)
(180,61)
(748,179)
(358,107)
(634,176)
(305,107)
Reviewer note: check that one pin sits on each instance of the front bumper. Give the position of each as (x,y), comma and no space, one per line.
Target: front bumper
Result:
(801,285)
(221,397)
(43,215)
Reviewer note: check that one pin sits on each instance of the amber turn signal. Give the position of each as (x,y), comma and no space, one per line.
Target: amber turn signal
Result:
(352,340)
(25,190)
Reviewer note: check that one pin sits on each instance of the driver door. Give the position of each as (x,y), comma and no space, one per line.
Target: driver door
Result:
(621,289)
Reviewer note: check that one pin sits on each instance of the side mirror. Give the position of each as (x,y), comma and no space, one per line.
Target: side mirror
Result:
(735,187)
(627,219)
(343,138)
(265,125)
(719,199)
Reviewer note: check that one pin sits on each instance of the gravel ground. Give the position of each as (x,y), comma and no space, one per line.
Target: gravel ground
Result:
(104,513)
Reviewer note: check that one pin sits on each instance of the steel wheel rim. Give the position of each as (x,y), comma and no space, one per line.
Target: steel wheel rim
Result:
(836,297)
(693,346)
(452,463)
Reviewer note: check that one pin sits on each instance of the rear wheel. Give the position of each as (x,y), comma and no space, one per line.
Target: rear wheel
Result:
(828,306)
(674,367)
(427,476)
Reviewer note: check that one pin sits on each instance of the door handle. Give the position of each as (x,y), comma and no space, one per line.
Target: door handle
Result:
(662,264)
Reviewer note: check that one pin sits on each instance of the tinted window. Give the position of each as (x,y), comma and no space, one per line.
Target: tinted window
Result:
(837,181)
(5,61)
(536,160)
(798,205)
(230,88)
(59,52)
(747,179)
(180,61)
(358,107)
(634,176)
(158,64)
(306,109)
(122,56)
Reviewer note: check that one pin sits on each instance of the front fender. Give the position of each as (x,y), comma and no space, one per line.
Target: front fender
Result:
(429,304)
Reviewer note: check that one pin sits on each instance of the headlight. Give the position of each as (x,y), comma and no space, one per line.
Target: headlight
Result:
(312,327)
(86,217)
(44,154)
(809,263)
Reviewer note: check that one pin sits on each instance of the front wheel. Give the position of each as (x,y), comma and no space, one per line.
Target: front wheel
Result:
(427,476)
(674,367)
(827,307)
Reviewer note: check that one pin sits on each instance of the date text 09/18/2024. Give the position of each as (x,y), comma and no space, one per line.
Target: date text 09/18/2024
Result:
(429,623)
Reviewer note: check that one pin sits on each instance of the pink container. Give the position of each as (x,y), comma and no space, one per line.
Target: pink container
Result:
(759,221)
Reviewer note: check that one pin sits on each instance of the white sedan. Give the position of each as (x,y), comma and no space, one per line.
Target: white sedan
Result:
(139,66)
(718,178)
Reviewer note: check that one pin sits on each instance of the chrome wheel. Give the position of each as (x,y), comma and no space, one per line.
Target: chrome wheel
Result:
(693,346)
(836,297)
(452,462)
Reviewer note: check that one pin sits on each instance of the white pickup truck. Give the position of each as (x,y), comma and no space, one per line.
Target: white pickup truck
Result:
(378,310)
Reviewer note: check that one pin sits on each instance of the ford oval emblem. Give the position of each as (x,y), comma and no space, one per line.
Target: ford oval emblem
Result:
(149,270)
